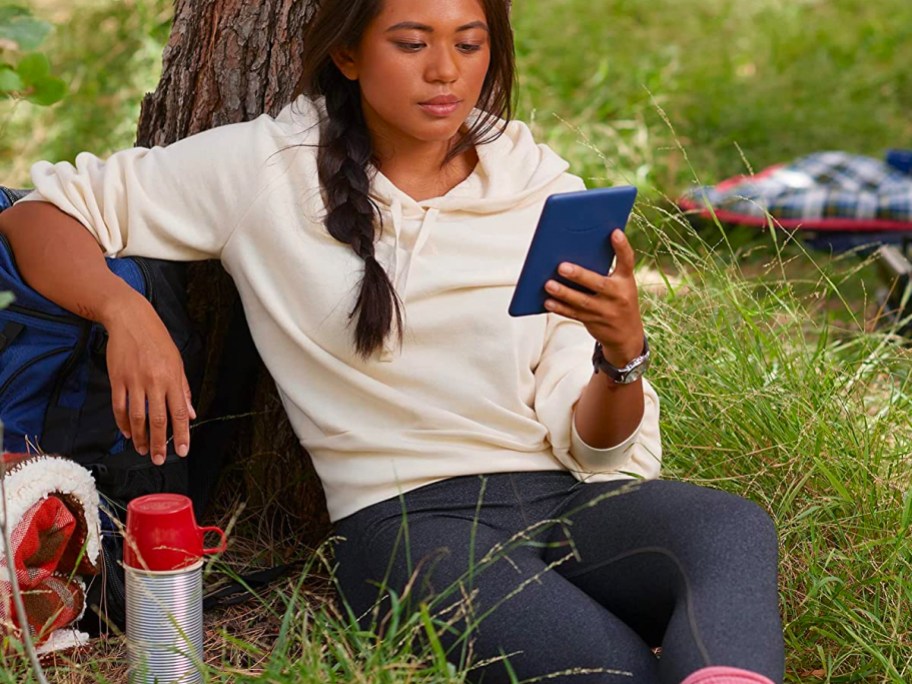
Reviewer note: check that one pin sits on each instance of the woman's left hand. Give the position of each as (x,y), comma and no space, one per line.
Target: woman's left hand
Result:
(612,312)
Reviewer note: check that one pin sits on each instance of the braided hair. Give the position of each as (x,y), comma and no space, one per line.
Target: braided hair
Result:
(352,216)
(346,152)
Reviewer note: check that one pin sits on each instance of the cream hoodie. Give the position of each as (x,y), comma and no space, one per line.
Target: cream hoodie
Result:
(469,391)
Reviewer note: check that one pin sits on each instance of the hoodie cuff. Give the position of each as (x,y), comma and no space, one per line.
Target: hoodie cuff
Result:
(601,460)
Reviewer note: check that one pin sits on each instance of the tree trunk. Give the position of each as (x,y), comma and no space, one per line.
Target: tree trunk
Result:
(226,61)
(229,61)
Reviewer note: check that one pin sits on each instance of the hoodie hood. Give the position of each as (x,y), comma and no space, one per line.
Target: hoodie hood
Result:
(512,169)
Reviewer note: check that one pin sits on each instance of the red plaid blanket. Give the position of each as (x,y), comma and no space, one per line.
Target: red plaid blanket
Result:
(48,532)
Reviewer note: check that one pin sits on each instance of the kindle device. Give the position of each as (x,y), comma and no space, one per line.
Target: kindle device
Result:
(574,227)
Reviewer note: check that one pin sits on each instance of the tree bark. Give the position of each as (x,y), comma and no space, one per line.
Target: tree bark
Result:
(229,61)
(226,61)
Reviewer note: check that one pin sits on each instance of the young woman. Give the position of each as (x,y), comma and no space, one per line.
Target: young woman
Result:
(375,230)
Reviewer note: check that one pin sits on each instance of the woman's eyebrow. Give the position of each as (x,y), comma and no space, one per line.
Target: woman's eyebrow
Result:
(415,26)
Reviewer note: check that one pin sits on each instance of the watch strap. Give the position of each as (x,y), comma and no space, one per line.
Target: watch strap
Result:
(626,375)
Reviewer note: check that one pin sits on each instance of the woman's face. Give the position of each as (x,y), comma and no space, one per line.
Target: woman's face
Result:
(421,66)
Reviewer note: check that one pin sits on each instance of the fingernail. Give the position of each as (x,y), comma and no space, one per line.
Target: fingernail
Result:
(551,286)
(126,435)
(182,450)
(158,459)
(565,269)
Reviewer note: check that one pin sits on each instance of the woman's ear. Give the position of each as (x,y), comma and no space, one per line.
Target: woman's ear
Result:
(345,61)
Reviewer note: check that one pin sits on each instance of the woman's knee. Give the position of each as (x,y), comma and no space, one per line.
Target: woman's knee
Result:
(730,521)
(751,520)
(709,511)
(756,521)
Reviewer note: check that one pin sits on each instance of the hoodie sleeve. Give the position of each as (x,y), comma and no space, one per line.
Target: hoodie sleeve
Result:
(562,374)
(179,202)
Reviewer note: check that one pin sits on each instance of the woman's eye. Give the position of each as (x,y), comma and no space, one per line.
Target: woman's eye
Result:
(409,47)
(469,47)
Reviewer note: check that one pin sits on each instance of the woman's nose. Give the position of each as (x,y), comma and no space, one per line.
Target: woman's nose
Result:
(442,67)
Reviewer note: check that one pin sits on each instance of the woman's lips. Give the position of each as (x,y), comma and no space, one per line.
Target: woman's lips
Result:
(440,106)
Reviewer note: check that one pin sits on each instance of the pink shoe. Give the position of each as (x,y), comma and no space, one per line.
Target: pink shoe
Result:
(725,675)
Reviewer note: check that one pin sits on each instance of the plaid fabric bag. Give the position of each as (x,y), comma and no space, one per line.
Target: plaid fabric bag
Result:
(825,192)
(52,506)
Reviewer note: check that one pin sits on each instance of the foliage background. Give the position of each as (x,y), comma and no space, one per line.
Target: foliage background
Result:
(109,54)
(773,78)
(779,377)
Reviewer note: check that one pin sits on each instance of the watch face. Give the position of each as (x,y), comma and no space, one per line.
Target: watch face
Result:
(635,374)
(630,373)
(634,370)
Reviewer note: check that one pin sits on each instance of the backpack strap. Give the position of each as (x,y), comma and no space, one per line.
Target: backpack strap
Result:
(245,587)
(10,332)
(9,196)
(235,386)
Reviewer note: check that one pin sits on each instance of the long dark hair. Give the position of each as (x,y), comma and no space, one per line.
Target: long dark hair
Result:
(346,151)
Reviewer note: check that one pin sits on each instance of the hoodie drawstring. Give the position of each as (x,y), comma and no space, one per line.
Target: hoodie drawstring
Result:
(404,260)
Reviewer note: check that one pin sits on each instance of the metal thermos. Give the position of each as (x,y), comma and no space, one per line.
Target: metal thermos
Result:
(163,565)
(165,625)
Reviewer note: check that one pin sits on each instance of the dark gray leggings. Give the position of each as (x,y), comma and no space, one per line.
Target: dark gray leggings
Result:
(567,576)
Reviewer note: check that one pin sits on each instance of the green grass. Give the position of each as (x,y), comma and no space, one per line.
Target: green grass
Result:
(776,78)
(773,383)
(765,398)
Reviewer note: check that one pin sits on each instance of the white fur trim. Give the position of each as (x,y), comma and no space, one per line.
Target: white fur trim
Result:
(33,480)
(61,639)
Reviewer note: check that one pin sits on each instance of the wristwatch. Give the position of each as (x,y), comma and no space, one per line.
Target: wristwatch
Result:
(630,373)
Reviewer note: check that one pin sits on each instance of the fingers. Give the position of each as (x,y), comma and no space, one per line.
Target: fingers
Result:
(119,404)
(188,395)
(149,389)
(613,289)
(624,253)
(597,281)
(174,404)
(612,316)
(610,309)
(566,299)
(591,280)
(559,307)
(144,417)
(179,407)
(158,427)
(136,408)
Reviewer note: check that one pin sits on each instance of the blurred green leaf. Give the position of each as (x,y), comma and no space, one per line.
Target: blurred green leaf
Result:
(34,68)
(10,13)
(47,91)
(9,80)
(19,27)
(103,51)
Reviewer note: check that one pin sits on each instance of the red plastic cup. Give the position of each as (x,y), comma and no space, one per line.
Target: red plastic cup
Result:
(162,534)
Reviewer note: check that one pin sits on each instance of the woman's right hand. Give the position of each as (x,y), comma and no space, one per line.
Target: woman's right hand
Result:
(148,384)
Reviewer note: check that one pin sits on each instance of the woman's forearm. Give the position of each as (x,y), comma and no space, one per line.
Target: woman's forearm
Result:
(608,413)
(58,258)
